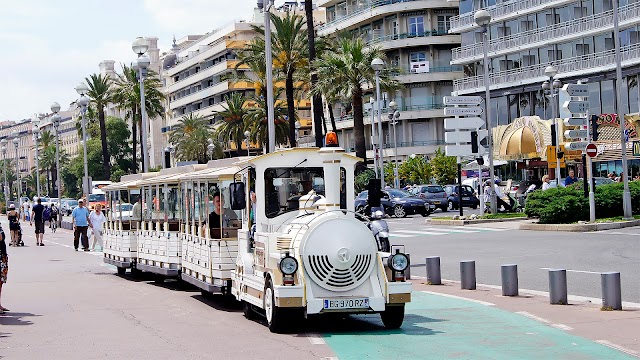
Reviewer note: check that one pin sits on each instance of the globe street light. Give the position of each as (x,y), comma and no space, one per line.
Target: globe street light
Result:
(83,102)
(377,65)
(394,115)
(36,133)
(297,126)
(3,149)
(246,139)
(16,142)
(483,19)
(552,86)
(141,65)
(55,120)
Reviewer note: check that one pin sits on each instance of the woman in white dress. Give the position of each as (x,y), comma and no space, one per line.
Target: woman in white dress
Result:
(96,220)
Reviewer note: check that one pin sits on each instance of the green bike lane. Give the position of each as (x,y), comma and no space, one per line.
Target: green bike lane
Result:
(439,327)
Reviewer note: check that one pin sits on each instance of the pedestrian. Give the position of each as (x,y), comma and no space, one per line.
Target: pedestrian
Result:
(25,210)
(96,220)
(546,184)
(620,178)
(38,218)
(14,224)
(80,221)
(571,179)
(4,267)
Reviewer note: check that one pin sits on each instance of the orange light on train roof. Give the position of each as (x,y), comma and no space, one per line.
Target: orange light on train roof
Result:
(331,139)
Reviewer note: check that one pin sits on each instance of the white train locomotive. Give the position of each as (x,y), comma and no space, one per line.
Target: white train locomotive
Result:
(279,233)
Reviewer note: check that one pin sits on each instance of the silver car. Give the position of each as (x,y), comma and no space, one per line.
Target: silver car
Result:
(435,194)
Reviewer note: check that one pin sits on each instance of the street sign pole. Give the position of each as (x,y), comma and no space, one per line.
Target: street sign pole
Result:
(460,186)
(592,195)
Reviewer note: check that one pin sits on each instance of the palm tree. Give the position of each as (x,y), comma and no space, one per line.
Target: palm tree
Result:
(318,117)
(348,69)
(256,121)
(100,94)
(191,138)
(48,156)
(232,124)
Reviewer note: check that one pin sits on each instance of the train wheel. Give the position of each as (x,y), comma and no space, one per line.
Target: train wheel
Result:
(247,310)
(393,316)
(275,315)
(121,271)
(158,279)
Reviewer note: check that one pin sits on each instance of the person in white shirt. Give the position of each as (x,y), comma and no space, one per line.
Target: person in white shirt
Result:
(97,219)
(545,183)
(25,210)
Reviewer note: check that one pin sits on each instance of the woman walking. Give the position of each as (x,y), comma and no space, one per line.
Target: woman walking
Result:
(97,219)
(14,224)
(4,267)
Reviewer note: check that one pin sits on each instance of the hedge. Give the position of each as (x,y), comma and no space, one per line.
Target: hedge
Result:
(569,205)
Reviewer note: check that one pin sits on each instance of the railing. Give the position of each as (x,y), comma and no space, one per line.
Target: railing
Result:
(429,33)
(500,11)
(357,10)
(535,72)
(432,69)
(565,30)
(226,62)
(390,145)
(434,105)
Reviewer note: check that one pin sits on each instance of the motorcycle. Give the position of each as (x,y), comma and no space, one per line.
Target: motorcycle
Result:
(380,230)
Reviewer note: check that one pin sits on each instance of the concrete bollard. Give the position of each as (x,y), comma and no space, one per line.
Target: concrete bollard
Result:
(433,270)
(407,273)
(558,287)
(468,274)
(509,279)
(611,291)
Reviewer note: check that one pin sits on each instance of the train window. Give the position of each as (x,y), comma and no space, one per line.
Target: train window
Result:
(174,209)
(284,186)
(343,188)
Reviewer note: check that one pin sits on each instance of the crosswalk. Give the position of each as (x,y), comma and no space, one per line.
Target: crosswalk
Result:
(438,231)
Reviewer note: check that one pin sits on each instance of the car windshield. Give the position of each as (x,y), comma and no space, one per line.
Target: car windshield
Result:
(363,195)
(435,189)
(72,203)
(97,197)
(398,193)
(125,207)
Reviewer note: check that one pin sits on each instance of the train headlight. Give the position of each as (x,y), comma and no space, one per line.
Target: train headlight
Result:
(398,262)
(288,265)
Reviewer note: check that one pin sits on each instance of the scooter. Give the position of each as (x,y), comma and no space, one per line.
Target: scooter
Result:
(380,229)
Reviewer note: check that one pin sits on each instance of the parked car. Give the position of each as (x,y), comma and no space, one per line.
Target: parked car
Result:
(434,193)
(398,203)
(469,198)
(68,205)
(123,211)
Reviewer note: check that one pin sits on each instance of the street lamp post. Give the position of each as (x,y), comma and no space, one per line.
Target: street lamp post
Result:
(626,193)
(394,115)
(483,19)
(271,125)
(377,65)
(3,148)
(373,136)
(83,102)
(36,134)
(16,142)
(55,120)
(246,138)
(552,86)
(140,47)
(297,126)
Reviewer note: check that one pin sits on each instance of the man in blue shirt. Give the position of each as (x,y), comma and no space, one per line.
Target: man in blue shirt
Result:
(571,179)
(80,220)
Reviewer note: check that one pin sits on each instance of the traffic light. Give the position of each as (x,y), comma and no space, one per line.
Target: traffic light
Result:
(480,160)
(474,142)
(553,135)
(594,127)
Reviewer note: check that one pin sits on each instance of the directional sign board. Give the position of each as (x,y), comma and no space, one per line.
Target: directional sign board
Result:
(462,100)
(576,145)
(463,123)
(574,121)
(577,89)
(454,137)
(463,111)
(458,150)
(577,107)
(576,134)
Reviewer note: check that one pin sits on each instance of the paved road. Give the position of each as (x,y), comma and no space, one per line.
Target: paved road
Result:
(69,305)
(584,254)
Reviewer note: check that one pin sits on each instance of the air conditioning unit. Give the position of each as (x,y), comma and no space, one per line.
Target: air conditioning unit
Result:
(419,67)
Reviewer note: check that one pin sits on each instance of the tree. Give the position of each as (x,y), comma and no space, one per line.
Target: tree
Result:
(415,170)
(445,168)
(11,174)
(256,121)
(232,120)
(191,138)
(118,135)
(318,118)
(100,94)
(348,70)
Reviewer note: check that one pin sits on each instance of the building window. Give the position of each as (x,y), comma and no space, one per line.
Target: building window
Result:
(444,23)
(418,56)
(416,25)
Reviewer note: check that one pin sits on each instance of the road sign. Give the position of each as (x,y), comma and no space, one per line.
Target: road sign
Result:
(469,123)
(577,106)
(462,111)
(576,134)
(576,89)
(462,100)
(455,137)
(592,150)
(458,150)
(576,145)
(576,121)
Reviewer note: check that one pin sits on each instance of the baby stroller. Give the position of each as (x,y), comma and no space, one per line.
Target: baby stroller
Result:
(19,242)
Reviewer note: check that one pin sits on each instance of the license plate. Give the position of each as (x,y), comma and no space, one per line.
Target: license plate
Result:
(346,304)
(466,198)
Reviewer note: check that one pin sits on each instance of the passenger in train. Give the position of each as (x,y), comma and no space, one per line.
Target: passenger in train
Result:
(214,216)
(136,211)
(253,208)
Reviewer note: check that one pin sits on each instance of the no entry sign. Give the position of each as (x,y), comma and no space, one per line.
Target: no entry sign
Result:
(592,150)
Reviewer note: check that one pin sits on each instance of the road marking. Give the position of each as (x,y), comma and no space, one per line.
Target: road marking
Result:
(481,228)
(562,327)
(420,232)
(531,316)
(316,339)
(619,233)
(401,236)
(453,230)
(460,298)
(617,347)
(575,271)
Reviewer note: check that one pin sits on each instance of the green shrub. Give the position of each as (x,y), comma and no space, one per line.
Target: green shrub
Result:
(558,206)
(362,179)
(609,199)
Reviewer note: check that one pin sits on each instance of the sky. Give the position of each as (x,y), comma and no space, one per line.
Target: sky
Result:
(49,46)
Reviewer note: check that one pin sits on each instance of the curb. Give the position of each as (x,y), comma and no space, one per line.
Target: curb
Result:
(579,227)
(470,222)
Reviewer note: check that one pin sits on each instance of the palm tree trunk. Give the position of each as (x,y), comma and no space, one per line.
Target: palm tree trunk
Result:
(318,118)
(324,121)
(106,159)
(135,141)
(291,109)
(331,116)
(358,124)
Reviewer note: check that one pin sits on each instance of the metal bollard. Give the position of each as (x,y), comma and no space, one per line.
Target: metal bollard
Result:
(407,273)
(509,279)
(433,270)
(611,291)
(558,287)
(468,274)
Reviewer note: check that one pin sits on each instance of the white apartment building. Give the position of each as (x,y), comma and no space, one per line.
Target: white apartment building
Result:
(414,36)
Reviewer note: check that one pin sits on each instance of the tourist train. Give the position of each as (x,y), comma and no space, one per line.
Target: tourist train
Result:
(276,232)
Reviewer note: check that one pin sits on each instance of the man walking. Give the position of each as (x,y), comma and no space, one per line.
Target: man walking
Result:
(37,217)
(80,220)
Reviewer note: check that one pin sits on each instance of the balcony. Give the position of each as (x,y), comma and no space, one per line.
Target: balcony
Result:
(203,53)
(435,73)
(504,11)
(204,73)
(576,66)
(368,10)
(430,110)
(212,90)
(629,15)
(432,37)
